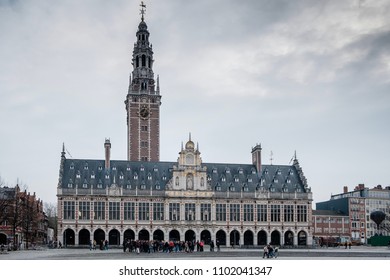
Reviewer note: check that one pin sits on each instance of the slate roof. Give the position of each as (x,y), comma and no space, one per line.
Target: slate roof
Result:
(155,175)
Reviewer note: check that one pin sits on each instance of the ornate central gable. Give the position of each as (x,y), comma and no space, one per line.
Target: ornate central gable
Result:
(189,174)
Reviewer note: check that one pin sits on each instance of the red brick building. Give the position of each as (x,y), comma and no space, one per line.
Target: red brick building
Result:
(330,227)
(23,223)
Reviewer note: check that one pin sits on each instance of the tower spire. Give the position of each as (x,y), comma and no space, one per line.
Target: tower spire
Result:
(143,10)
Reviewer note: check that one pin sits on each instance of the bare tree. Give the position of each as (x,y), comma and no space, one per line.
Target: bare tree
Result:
(51,211)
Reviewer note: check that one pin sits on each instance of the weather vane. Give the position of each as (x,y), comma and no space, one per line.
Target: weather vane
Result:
(143,7)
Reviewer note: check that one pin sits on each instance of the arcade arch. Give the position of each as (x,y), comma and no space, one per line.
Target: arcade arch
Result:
(221,237)
(174,235)
(84,237)
(262,237)
(248,238)
(275,237)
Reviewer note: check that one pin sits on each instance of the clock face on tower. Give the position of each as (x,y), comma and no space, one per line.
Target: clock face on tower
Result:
(144,112)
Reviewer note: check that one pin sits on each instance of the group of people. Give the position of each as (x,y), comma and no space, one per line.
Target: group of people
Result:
(103,244)
(270,252)
(155,246)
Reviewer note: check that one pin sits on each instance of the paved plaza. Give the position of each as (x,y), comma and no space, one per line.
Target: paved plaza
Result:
(359,252)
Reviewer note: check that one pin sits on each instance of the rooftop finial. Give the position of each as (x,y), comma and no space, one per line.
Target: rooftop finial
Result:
(143,7)
(63,150)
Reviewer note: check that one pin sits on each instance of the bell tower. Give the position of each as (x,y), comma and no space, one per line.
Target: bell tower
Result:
(143,101)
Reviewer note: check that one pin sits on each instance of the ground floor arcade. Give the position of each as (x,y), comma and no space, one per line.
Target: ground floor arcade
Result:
(225,236)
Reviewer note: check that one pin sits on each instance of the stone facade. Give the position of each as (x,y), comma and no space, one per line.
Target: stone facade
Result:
(183,200)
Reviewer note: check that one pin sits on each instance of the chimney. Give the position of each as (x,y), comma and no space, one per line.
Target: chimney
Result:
(107,149)
(256,158)
(345,189)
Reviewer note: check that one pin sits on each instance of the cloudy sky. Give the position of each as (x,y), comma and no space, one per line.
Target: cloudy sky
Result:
(305,76)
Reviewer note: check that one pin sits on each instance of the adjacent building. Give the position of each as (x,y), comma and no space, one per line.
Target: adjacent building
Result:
(330,228)
(358,205)
(23,223)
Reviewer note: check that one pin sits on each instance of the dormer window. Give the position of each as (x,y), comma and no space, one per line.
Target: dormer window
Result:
(99,186)
(232,189)
(143,186)
(164,178)
(279,172)
(157,186)
(70,184)
(128,168)
(135,177)
(218,188)
(228,171)
(288,181)
(107,176)
(72,166)
(223,179)
(236,179)
(214,170)
(114,168)
(142,168)
(128,186)
(240,171)
(275,180)
(86,166)
(208,178)
(78,175)
(149,177)
(249,180)
(92,176)
(121,176)
(85,185)
(100,168)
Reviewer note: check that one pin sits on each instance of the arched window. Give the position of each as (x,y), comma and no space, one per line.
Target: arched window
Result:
(143,60)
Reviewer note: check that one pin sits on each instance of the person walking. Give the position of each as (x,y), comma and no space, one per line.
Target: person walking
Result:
(124,245)
(212,246)
(265,252)
(270,251)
